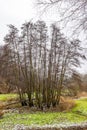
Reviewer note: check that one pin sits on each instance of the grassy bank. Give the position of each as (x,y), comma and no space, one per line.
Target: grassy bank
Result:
(7,97)
(76,115)
(9,120)
(81,107)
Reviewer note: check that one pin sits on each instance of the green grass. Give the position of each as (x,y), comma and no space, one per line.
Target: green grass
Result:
(40,119)
(76,115)
(81,107)
(6,97)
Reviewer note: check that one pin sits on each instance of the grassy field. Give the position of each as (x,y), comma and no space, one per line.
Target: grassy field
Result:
(6,97)
(77,114)
(81,107)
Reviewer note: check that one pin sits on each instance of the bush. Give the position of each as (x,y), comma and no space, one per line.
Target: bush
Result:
(67,104)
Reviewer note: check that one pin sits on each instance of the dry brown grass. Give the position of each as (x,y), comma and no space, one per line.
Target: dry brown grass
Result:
(1,105)
(82,94)
(66,104)
(1,113)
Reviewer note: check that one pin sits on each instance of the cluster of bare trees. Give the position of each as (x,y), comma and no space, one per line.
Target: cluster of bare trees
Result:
(38,64)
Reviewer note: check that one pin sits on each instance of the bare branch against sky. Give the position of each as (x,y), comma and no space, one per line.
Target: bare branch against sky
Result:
(69,10)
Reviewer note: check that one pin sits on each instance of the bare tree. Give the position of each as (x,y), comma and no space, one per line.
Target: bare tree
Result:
(70,10)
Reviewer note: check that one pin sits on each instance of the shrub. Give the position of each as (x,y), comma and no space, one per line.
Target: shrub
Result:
(66,104)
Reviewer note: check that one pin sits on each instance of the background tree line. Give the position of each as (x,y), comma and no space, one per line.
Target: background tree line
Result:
(38,64)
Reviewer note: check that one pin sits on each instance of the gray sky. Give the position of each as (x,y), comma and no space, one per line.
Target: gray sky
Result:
(16,12)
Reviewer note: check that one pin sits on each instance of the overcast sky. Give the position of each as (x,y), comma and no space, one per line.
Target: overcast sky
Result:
(16,12)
